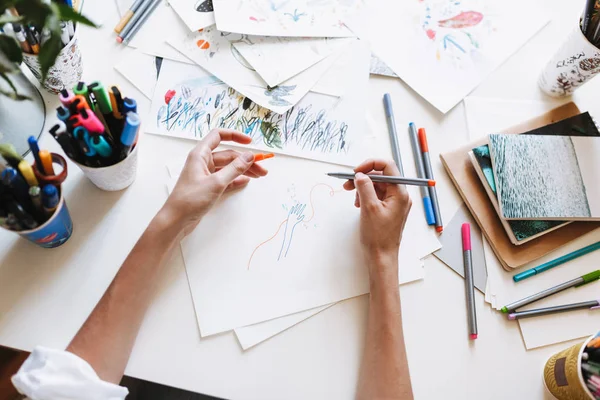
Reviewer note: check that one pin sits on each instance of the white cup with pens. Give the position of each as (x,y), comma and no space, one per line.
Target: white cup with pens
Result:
(100,134)
(578,59)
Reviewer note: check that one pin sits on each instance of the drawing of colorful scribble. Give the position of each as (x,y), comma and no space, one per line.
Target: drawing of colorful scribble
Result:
(195,107)
(457,29)
(296,216)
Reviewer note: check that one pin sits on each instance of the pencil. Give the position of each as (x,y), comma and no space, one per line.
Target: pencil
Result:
(386,179)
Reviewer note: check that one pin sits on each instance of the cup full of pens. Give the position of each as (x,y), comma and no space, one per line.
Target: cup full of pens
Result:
(578,59)
(574,373)
(99,131)
(31,199)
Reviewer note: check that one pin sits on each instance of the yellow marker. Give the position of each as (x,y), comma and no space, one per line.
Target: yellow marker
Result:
(27,172)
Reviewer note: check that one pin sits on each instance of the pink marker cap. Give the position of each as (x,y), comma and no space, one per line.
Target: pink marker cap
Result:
(511,317)
(466,236)
(473,336)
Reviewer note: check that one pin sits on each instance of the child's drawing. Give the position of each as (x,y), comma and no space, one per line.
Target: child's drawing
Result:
(457,28)
(320,18)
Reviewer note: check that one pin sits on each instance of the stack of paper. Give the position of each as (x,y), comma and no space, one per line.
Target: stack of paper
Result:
(501,289)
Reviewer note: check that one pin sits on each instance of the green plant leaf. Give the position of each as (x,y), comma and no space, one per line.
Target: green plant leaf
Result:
(14,94)
(49,52)
(7,79)
(10,48)
(68,14)
(5,19)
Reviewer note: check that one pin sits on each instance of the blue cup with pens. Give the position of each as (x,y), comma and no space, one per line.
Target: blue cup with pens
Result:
(99,130)
(31,200)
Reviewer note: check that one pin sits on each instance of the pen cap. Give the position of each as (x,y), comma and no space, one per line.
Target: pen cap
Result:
(423,140)
(387,105)
(130,129)
(88,119)
(129,105)
(101,96)
(466,236)
(80,88)
(50,196)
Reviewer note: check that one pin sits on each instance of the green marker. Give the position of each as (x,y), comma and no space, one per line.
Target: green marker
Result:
(101,96)
(82,89)
(577,282)
(556,262)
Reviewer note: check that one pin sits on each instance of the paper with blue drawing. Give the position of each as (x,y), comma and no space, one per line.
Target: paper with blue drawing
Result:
(188,102)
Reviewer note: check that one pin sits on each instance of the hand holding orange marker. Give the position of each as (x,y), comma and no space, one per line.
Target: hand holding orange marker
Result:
(263,156)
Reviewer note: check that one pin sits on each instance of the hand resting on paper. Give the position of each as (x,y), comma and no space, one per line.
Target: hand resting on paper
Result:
(383,212)
(208,174)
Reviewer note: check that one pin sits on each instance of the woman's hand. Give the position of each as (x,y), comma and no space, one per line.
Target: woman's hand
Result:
(207,175)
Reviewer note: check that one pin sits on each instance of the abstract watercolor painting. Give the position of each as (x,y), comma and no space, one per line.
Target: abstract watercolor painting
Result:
(446,48)
(547,177)
(215,51)
(196,14)
(188,102)
(324,18)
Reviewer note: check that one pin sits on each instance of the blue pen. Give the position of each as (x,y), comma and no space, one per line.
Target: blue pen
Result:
(35,150)
(101,146)
(129,105)
(129,133)
(50,198)
(556,262)
(414,140)
(63,113)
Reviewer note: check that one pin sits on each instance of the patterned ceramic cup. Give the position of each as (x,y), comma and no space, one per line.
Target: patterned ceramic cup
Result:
(115,177)
(563,377)
(66,71)
(575,63)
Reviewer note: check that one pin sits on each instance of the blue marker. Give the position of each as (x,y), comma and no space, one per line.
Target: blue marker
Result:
(35,150)
(63,113)
(130,131)
(556,262)
(414,140)
(129,105)
(19,188)
(50,198)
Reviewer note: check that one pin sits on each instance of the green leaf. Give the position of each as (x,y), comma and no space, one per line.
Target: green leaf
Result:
(7,79)
(10,48)
(68,14)
(14,94)
(6,18)
(49,52)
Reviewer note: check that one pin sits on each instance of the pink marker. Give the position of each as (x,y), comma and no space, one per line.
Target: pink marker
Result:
(66,97)
(469,281)
(90,121)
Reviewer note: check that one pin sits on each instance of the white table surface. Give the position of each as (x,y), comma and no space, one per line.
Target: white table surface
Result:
(45,295)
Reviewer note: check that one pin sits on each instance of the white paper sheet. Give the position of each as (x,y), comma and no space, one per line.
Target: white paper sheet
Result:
(550,329)
(196,14)
(139,69)
(242,289)
(163,23)
(285,17)
(277,59)
(214,51)
(188,102)
(444,49)
(378,67)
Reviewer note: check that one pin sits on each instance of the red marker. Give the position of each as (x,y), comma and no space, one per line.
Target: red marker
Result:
(469,281)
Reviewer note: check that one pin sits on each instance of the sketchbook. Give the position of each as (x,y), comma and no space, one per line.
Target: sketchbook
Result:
(519,232)
(460,169)
(547,177)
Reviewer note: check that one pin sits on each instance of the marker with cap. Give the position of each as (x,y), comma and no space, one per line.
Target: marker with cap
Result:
(439,226)
(469,281)
(590,305)
(416,148)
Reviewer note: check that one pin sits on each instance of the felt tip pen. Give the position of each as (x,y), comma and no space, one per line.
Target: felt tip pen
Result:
(129,105)
(82,136)
(27,173)
(116,102)
(33,42)
(46,163)
(591,305)
(101,146)
(9,153)
(66,97)
(135,27)
(127,16)
(35,150)
(25,219)
(398,180)
(129,133)
(35,194)
(20,35)
(81,89)
(556,262)
(50,199)
(439,226)
(62,113)
(90,121)
(263,156)
(20,189)
(101,96)
(138,14)
(416,148)
(577,282)
(79,103)
(391,122)
(469,281)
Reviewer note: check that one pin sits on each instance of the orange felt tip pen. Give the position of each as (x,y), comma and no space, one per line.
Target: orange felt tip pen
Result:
(263,156)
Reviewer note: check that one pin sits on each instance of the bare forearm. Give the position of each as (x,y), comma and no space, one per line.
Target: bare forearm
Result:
(106,338)
(384,372)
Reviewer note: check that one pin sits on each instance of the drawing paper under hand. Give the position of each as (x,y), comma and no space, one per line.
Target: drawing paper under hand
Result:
(189,102)
(277,59)
(285,18)
(451,252)
(287,258)
(547,177)
(215,52)
(443,49)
